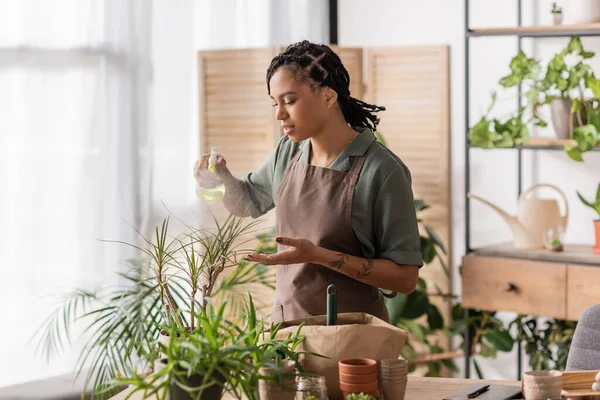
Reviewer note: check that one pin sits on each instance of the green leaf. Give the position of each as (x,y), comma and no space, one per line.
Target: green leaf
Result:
(414,328)
(428,251)
(598,194)
(451,365)
(575,45)
(436,239)
(380,138)
(584,201)
(532,95)
(434,318)
(586,137)
(574,153)
(499,340)
(434,369)
(488,352)
(587,54)
(420,205)
(417,304)
(477,369)
(395,307)
(481,136)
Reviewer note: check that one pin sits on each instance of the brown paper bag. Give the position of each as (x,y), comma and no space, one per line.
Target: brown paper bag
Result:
(356,335)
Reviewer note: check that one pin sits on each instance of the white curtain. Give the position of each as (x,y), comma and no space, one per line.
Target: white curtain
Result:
(74,151)
(259,23)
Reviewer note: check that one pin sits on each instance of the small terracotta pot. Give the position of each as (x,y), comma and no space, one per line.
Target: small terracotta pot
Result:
(597,230)
(357,366)
(358,379)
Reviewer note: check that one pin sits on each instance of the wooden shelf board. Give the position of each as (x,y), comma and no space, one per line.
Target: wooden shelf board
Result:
(541,143)
(550,30)
(572,254)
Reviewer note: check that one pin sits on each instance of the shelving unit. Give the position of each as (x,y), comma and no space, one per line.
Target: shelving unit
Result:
(486,271)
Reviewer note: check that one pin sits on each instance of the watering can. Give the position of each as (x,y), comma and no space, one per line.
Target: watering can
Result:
(535,217)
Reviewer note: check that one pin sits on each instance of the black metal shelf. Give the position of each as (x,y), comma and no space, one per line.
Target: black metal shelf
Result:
(519,32)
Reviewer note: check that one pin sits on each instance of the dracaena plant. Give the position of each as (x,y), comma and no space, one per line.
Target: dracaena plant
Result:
(163,290)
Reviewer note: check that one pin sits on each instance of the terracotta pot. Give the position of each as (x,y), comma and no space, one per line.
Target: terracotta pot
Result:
(357,366)
(597,230)
(353,378)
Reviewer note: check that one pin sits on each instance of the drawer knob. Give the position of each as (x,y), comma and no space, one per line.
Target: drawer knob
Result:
(510,287)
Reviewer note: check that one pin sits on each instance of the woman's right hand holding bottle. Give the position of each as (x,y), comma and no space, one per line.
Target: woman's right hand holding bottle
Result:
(211,170)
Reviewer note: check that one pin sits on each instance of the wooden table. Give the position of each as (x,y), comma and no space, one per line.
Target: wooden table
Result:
(418,388)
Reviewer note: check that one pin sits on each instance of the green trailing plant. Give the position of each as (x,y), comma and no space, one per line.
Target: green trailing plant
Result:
(567,77)
(164,289)
(594,204)
(547,344)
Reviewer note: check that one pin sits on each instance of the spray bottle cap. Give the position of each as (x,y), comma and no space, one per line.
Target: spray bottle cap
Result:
(212,160)
(213,156)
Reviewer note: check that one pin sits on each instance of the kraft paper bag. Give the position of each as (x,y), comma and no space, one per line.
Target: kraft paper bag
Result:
(356,335)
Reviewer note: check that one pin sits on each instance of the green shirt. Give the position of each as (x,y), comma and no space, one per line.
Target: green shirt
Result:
(383,213)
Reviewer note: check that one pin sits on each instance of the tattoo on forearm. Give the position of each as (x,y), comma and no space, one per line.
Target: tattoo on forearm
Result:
(366,269)
(337,264)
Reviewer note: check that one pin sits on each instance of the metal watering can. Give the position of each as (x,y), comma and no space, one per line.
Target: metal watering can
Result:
(535,217)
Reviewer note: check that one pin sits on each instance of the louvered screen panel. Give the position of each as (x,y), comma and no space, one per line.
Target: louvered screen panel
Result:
(235,111)
(413,84)
(352,58)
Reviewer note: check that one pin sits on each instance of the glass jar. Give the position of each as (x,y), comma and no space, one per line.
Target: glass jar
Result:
(311,385)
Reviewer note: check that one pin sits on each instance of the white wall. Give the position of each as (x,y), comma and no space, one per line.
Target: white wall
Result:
(405,23)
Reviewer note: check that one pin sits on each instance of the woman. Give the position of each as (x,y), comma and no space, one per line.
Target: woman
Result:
(343,202)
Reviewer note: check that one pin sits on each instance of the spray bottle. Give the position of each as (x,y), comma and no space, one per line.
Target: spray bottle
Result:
(216,193)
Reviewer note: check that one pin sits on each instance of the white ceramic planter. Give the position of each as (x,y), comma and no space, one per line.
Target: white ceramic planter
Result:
(557,18)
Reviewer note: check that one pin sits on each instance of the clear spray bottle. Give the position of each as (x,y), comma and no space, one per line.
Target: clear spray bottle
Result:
(216,193)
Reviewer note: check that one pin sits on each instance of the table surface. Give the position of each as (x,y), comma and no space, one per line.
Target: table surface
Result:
(418,388)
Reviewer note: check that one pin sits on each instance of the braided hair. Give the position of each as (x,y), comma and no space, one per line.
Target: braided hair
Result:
(319,66)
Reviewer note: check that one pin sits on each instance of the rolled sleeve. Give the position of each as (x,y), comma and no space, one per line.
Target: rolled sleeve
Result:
(395,220)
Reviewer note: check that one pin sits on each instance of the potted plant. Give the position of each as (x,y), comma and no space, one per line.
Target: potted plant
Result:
(557,14)
(167,290)
(222,356)
(594,205)
(563,86)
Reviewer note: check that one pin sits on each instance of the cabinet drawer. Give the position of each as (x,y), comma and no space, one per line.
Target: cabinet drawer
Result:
(582,289)
(522,286)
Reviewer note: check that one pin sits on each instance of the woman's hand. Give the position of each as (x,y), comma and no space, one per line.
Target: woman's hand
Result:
(207,179)
(299,251)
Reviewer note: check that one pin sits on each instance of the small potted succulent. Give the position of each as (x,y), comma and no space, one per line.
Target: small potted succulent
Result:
(594,205)
(557,14)
(359,396)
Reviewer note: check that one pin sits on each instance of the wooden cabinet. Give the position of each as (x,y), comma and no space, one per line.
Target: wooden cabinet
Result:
(527,282)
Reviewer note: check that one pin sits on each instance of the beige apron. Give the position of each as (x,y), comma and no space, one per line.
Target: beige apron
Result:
(315,203)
